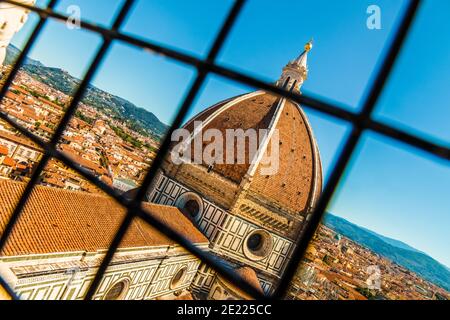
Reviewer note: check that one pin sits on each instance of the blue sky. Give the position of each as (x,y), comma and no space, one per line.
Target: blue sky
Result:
(390,188)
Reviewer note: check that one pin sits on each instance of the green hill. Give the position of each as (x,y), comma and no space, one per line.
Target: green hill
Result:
(12,53)
(137,118)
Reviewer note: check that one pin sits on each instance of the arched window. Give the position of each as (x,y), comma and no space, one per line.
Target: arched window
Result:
(257,245)
(117,291)
(254,242)
(191,208)
(190,204)
(177,279)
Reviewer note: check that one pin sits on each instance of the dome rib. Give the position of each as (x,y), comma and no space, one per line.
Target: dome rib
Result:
(297,184)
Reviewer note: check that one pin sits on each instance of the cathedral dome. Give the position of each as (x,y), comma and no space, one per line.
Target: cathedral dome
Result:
(253,156)
(296,184)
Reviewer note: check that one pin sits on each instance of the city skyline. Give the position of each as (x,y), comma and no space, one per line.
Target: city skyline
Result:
(416,185)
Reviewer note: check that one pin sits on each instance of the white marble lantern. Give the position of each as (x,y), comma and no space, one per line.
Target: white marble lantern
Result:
(12,19)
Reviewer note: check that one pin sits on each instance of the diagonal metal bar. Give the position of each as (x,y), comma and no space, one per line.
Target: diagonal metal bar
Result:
(331,109)
(201,64)
(134,210)
(208,66)
(348,149)
(3,90)
(410,139)
(61,127)
(23,55)
(212,261)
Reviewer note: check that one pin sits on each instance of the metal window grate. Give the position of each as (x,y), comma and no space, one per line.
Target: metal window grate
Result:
(360,122)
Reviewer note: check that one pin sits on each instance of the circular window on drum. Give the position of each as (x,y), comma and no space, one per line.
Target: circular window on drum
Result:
(117,291)
(258,245)
(178,278)
(190,204)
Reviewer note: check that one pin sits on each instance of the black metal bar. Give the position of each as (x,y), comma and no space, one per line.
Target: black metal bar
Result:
(214,262)
(360,122)
(23,55)
(61,127)
(206,65)
(332,109)
(409,139)
(164,148)
(3,90)
(348,149)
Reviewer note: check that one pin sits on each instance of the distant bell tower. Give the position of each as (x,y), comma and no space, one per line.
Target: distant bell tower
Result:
(296,71)
(12,19)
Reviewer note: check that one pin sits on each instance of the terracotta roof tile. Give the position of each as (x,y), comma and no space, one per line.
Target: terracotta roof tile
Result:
(252,113)
(19,139)
(56,220)
(249,275)
(292,186)
(4,150)
(10,162)
(71,153)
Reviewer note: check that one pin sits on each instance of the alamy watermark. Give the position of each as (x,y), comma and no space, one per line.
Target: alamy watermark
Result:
(373,21)
(257,148)
(74,19)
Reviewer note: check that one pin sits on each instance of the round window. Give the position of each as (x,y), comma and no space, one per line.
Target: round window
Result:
(191,208)
(117,291)
(258,245)
(190,204)
(178,278)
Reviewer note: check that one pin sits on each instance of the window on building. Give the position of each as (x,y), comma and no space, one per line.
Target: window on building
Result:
(190,204)
(254,242)
(258,245)
(117,291)
(191,208)
(362,119)
(177,279)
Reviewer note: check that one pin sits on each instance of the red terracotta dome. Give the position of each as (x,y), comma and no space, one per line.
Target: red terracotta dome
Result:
(297,183)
